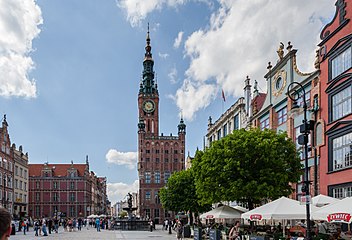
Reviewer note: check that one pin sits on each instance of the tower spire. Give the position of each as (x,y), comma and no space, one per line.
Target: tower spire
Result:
(148,85)
(148,48)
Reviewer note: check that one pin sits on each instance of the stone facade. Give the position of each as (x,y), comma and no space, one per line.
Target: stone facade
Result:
(20,208)
(6,168)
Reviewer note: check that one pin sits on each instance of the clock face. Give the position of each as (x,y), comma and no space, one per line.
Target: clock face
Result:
(148,106)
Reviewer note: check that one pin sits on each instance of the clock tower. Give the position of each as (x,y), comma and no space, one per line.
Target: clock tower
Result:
(158,156)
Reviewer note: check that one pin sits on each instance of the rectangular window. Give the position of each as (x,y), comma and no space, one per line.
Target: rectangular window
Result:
(157,177)
(16,183)
(147,177)
(341,103)
(72,185)
(16,170)
(300,99)
(72,211)
(55,185)
(156,213)
(147,151)
(282,116)
(20,187)
(224,130)
(166,151)
(147,213)
(25,174)
(342,192)
(0,178)
(157,160)
(157,151)
(236,122)
(342,152)
(175,151)
(37,197)
(25,186)
(72,197)
(37,185)
(166,160)
(264,123)
(166,176)
(219,134)
(21,172)
(175,160)
(37,211)
(341,63)
(147,195)
(55,197)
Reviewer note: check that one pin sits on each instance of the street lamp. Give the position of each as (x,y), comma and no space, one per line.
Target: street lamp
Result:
(305,129)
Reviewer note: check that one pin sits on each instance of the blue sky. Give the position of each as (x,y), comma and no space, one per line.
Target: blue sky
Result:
(70,70)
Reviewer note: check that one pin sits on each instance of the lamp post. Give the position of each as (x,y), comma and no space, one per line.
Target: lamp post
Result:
(305,129)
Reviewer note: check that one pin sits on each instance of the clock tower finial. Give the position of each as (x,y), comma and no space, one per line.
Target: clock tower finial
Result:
(148,85)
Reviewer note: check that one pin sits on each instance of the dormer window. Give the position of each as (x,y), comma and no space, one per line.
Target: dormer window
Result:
(72,173)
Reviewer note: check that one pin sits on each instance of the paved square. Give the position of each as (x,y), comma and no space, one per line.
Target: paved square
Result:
(91,233)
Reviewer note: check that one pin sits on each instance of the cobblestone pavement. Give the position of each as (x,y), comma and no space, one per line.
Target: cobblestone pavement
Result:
(94,235)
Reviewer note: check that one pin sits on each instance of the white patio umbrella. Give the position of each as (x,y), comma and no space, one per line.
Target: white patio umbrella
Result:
(340,211)
(282,208)
(225,212)
(322,200)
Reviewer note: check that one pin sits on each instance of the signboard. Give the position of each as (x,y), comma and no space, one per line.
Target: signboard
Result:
(214,234)
(197,233)
(339,217)
(306,199)
(255,217)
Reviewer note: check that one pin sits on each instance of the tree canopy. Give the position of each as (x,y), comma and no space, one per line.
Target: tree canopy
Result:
(247,166)
(179,194)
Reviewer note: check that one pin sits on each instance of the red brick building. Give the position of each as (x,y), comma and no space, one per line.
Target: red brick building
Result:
(158,155)
(336,103)
(59,188)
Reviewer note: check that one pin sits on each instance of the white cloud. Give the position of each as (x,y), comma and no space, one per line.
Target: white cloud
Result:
(163,55)
(242,37)
(19,21)
(118,191)
(137,10)
(129,159)
(173,75)
(193,96)
(178,40)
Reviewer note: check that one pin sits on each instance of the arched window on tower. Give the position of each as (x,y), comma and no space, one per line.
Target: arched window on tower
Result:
(152,126)
(148,126)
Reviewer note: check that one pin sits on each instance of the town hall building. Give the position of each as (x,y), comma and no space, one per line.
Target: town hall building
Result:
(158,156)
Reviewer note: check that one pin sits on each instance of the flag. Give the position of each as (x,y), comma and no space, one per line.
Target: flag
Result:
(223,95)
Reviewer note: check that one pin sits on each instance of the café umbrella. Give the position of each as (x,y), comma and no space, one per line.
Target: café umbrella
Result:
(224,212)
(282,208)
(323,200)
(340,211)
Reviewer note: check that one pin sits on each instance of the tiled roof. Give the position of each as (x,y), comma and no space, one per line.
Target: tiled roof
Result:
(259,99)
(58,169)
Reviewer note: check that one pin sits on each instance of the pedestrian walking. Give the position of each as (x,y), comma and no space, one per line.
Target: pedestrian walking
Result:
(97,224)
(179,230)
(151,225)
(24,226)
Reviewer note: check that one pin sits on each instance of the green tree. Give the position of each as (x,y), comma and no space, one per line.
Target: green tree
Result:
(247,166)
(179,194)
